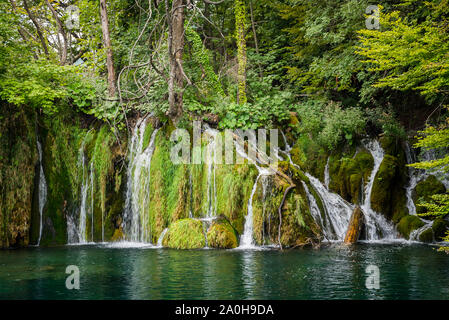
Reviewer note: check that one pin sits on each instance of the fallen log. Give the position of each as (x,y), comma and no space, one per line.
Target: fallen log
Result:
(355,226)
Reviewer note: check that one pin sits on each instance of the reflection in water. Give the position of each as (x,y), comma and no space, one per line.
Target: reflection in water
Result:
(333,272)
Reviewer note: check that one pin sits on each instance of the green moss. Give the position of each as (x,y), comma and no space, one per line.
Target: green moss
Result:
(185,234)
(426,235)
(408,224)
(147,136)
(440,227)
(425,189)
(222,235)
(383,186)
(234,184)
(18,156)
(349,174)
(169,188)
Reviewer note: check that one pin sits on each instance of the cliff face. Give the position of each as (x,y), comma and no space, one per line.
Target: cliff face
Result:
(97,190)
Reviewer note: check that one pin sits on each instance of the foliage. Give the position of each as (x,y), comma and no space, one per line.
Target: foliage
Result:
(435,138)
(411,55)
(329,123)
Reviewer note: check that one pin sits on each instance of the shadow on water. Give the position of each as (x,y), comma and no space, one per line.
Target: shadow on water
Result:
(335,271)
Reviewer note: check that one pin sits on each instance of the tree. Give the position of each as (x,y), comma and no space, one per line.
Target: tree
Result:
(108,47)
(175,21)
(240,29)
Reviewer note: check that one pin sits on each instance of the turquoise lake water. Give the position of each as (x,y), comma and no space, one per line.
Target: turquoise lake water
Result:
(406,271)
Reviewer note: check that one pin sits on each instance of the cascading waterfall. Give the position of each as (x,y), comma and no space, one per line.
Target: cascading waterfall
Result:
(377,227)
(337,211)
(161,237)
(91,176)
(42,191)
(246,240)
(314,209)
(265,180)
(136,217)
(211,209)
(415,176)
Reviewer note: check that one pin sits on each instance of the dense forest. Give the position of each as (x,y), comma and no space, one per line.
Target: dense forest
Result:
(87,86)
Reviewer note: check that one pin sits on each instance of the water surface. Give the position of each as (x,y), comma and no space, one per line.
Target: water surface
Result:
(332,272)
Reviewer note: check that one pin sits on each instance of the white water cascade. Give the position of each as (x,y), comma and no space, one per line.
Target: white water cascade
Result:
(338,211)
(376,226)
(314,209)
(161,238)
(210,157)
(415,176)
(42,192)
(247,240)
(136,217)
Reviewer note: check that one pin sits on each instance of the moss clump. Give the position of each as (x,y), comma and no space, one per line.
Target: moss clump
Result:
(222,235)
(348,174)
(440,227)
(408,224)
(425,189)
(388,193)
(310,156)
(147,136)
(185,234)
(18,157)
(426,235)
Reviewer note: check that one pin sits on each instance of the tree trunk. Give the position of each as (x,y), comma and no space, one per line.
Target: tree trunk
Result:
(240,26)
(38,27)
(61,31)
(175,49)
(108,47)
(355,226)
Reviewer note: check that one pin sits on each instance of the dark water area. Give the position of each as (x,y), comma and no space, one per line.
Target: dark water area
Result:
(406,271)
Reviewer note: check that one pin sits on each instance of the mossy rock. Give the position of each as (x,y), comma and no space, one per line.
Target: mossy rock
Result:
(408,224)
(185,234)
(348,174)
(383,183)
(222,235)
(388,193)
(426,236)
(310,156)
(440,227)
(425,189)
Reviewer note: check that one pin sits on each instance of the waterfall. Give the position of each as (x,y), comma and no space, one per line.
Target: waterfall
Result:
(315,210)
(415,176)
(414,235)
(247,241)
(91,178)
(161,237)
(377,227)
(337,211)
(265,181)
(211,210)
(136,219)
(42,191)
(83,206)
